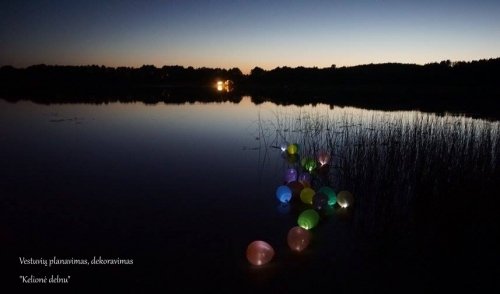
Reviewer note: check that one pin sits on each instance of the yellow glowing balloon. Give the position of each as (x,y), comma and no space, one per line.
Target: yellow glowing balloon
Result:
(292,149)
(306,195)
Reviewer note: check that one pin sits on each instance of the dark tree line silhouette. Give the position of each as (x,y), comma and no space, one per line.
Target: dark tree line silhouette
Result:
(472,87)
(100,76)
(444,73)
(481,72)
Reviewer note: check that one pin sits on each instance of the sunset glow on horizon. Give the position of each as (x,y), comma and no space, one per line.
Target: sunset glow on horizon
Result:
(246,34)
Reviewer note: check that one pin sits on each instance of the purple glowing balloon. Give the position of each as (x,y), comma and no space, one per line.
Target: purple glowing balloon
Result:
(305,179)
(290,175)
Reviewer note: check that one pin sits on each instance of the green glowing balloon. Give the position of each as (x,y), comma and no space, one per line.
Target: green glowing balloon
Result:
(303,161)
(308,219)
(310,165)
(292,149)
(332,196)
(306,195)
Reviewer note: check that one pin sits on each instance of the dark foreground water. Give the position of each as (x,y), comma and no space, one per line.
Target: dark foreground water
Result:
(183,189)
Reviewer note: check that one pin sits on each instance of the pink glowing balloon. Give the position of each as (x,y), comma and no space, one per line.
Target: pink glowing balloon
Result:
(298,238)
(323,158)
(259,253)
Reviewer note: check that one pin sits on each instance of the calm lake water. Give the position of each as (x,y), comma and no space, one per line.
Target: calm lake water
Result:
(183,189)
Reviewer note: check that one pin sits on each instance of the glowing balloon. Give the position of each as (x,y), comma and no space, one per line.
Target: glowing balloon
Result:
(308,219)
(284,194)
(292,149)
(320,201)
(303,161)
(283,147)
(310,165)
(291,175)
(306,195)
(323,158)
(345,199)
(259,253)
(305,179)
(296,188)
(298,239)
(332,196)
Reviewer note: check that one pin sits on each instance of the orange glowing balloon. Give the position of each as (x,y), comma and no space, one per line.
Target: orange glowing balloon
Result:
(259,253)
(298,238)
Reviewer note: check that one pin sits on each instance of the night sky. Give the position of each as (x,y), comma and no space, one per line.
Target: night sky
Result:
(246,34)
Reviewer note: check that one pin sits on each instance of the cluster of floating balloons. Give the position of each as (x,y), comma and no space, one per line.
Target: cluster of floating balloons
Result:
(297,187)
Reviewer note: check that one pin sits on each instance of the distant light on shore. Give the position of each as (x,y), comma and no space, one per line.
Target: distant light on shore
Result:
(220,86)
(226,86)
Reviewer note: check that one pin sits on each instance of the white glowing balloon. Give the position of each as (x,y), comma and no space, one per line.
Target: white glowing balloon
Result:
(345,199)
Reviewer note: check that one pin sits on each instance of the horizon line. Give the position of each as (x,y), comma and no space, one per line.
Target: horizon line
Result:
(235,67)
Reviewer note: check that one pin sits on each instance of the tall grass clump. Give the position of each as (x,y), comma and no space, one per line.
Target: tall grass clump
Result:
(403,167)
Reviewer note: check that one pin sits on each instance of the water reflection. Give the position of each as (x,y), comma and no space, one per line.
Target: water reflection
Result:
(195,183)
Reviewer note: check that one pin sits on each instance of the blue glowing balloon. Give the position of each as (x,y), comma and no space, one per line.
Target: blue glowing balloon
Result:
(284,194)
(290,175)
